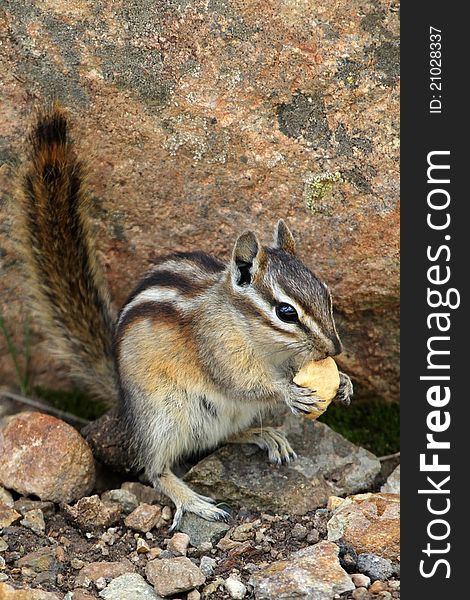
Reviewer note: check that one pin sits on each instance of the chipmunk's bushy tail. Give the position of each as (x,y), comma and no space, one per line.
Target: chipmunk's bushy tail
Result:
(65,280)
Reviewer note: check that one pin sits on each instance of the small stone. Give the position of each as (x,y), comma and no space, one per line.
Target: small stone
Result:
(79,594)
(7,592)
(193,595)
(299,532)
(370,523)
(3,576)
(24,505)
(6,497)
(235,588)
(360,580)
(313,536)
(207,565)
(200,530)
(142,546)
(376,567)
(171,576)
(226,544)
(125,498)
(361,594)
(3,545)
(243,532)
(384,595)
(143,518)
(144,493)
(77,563)
(392,485)
(91,512)
(130,586)
(8,515)
(34,520)
(179,544)
(39,561)
(377,586)
(313,572)
(334,502)
(100,583)
(42,455)
(211,588)
(394,584)
(154,553)
(106,570)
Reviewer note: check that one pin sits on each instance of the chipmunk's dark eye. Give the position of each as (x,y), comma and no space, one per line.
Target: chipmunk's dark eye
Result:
(287,313)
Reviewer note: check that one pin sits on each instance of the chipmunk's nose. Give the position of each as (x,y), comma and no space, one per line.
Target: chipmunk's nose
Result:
(337,346)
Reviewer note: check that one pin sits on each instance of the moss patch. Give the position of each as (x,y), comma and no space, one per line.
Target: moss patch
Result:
(318,188)
(372,424)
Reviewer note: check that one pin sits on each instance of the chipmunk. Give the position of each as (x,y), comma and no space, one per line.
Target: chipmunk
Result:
(200,348)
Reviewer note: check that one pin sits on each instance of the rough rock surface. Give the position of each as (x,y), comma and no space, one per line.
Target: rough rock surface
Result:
(173,575)
(8,592)
(392,485)
(44,456)
(201,119)
(313,573)
(131,586)
(103,569)
(370,523)
(327,464)
(90,512)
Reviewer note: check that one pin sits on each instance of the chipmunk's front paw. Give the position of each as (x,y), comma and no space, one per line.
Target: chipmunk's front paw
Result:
(202,506)
(303,400)
(345,390)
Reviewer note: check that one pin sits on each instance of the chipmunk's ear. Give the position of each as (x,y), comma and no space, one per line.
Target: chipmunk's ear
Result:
(248,259)
(283,238)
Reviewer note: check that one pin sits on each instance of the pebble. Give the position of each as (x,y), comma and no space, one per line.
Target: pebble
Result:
(376,567)
(143,518)
(299,531)
(377,586)
(90,512)
(3,545)
(171,576)
(8,592)
(77,563)
(313,536)
(243,532)
(94,571)
(193,595)
(130,586)
(360,580)
(200,530)
(125,498)
(360,593)
(142,546)
(24,505)
(235,588)
(8,515)
(5,497)
(179,543)
(384,595)
(41,560)
(34,520)
(42,455)
(207,565)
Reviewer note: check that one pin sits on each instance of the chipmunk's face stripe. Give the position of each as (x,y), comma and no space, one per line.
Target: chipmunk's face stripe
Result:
(250,305)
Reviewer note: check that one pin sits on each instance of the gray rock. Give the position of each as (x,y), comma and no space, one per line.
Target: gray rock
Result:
(327,464)
(313,573)
(200,530)
(376,567)
(235,588)
(125,498)
(130,586)
(206,565)
(392,485)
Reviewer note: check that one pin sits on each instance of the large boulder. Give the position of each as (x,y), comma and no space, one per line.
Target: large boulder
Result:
(44,456)
(201,119)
